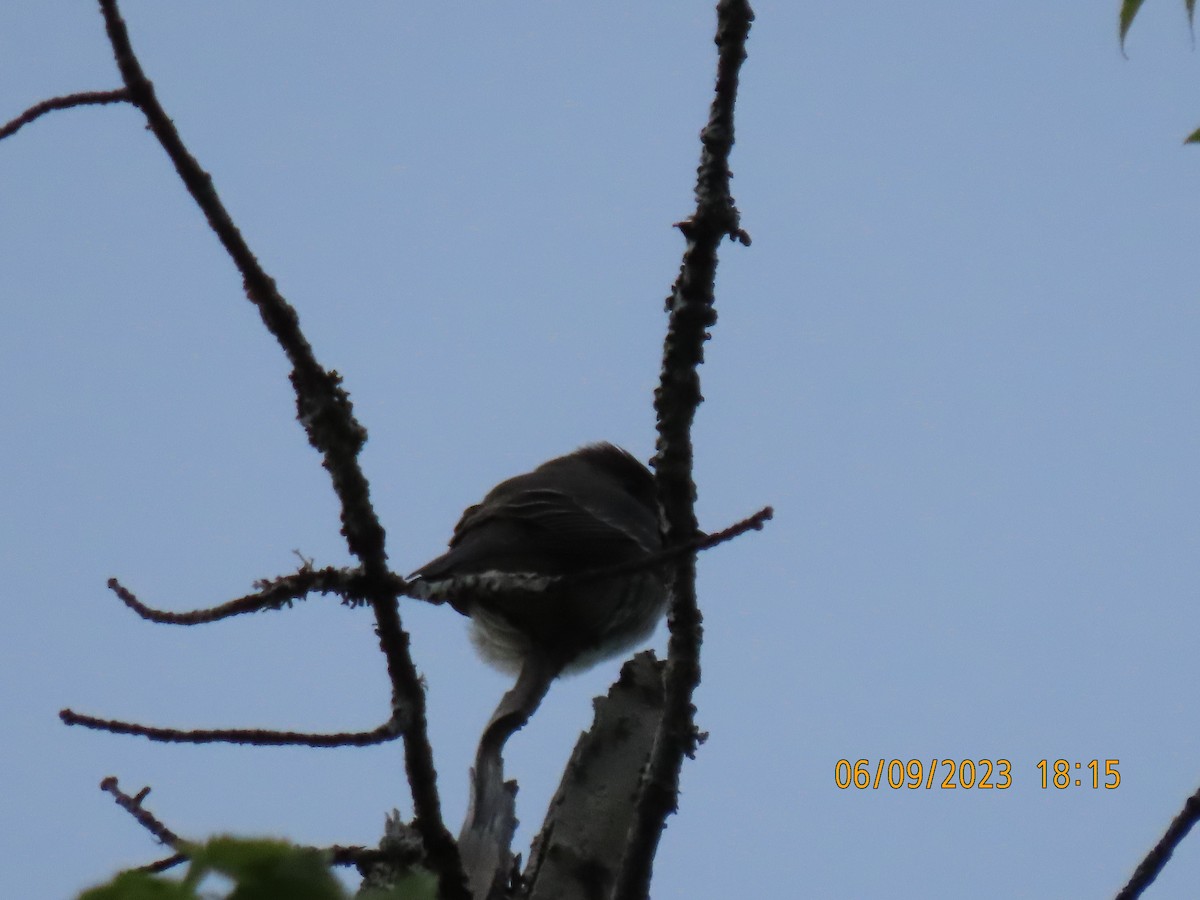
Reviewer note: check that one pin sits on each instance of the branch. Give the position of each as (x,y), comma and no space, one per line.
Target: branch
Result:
(675,402)
(352,585)
(686,549)
(400,849)
(133,806)
(371,856)
(485,840)
(388,731)
(590,815)
(1156,859)
(325,412)
(397,852)
(500,583)
(163,865)
(67,101)
(272,593)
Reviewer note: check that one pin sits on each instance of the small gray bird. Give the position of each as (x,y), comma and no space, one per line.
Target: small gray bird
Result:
(588,510)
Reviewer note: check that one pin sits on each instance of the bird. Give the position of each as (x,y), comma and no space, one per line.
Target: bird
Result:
(586,511)
(509,569)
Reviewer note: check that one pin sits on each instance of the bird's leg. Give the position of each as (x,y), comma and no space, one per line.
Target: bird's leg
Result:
(486,836)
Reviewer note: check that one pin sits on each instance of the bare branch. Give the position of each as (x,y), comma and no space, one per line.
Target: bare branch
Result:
(1156,859)
(273,594)
(485,840)
(695,545)
(325,411)
(399,848)
(675,402)
(476,584)
(161,833)
(66,101)
(324,407)
(162,865)
(590,815)
(257,736)
(369,856)
(396,852)
(133,806)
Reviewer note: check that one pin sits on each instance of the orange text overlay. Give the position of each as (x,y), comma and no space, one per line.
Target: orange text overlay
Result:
(971,774)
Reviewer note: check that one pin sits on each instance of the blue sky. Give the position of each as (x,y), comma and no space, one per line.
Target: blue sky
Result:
(960,359)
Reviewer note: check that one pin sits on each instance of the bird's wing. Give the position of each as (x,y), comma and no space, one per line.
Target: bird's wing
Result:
(534,530)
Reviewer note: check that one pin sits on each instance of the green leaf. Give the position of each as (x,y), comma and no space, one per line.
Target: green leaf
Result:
(269,870)
(258,869)
(1193,138)
(139,886)
(1129,9)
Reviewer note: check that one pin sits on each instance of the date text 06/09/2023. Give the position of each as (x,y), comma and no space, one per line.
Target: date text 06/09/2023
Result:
(972,774)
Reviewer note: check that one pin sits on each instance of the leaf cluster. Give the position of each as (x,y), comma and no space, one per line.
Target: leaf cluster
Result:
(259,869)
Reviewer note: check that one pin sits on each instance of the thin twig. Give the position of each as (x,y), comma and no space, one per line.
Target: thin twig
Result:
(273,594)
(66,101)
(675,402)
(256,736)
(133,806)
(338,855)
(164,864)
(696,545)
(486,583)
